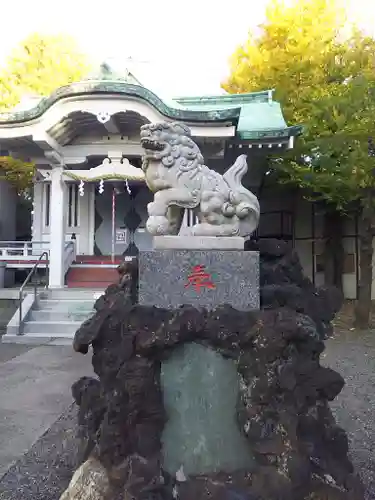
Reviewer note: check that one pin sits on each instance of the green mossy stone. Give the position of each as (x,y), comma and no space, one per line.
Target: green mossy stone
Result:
(202,434)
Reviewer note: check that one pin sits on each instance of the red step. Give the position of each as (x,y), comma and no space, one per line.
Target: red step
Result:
(94,285)
(96,260)
(91,277)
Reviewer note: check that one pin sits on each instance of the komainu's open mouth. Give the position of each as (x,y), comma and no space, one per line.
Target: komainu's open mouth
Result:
(151,145)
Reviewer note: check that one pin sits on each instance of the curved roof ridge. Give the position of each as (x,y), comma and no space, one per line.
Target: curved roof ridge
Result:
(255,116)
(92,87)
(259,96)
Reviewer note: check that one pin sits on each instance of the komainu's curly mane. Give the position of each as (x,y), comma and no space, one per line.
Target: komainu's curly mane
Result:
(179,149)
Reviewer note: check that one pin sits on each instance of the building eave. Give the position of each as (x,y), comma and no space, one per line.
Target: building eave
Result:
(78,89)
(280,133)
(261,117)
(243,117)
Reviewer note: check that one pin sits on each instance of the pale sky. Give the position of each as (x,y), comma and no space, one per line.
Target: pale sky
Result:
(180,48)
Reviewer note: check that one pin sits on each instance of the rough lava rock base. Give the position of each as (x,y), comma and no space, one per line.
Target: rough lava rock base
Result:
(300,452)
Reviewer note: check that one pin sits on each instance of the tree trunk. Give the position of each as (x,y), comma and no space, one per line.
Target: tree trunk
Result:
(366,231)
(333,250)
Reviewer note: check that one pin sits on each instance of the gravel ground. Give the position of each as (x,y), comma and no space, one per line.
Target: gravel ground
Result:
(44,472)
(353,355)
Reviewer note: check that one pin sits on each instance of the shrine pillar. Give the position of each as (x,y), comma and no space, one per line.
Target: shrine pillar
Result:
(57,234)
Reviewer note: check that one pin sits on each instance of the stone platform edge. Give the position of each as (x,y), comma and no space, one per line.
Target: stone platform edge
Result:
(171,242)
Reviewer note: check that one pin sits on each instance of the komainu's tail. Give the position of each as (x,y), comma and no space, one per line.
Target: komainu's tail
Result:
(245,203)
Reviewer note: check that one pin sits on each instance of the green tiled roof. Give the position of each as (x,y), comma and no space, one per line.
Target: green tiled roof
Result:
(255,116)
(259,116)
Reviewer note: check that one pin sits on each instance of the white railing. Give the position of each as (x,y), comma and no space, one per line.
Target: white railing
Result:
(21,297)
(22,250)
(32,250)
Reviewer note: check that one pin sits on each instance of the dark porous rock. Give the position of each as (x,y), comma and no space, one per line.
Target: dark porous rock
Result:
(298,450)
(283,284)
(87,394)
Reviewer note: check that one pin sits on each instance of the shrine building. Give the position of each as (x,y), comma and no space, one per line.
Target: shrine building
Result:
(90,199)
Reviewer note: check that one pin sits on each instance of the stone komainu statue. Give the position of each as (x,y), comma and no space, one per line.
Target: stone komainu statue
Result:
(175,172)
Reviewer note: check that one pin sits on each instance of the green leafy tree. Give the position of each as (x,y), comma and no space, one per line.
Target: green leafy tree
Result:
(17,172)
(323,74)
(38,66)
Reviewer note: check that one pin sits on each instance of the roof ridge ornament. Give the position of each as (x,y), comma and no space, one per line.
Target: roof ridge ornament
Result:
(106,73)
(103,116)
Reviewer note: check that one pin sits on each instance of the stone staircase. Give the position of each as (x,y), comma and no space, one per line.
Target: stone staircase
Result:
(55,317)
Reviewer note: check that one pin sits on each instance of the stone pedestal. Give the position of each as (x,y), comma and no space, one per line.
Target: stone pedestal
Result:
(165,402)
(201,435)
(202,278)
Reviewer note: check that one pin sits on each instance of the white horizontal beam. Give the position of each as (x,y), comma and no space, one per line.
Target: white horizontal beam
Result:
(127,149)
(46,142)
(76,160)
(213,131)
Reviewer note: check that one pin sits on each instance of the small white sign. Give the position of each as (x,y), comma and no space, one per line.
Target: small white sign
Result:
(121,236)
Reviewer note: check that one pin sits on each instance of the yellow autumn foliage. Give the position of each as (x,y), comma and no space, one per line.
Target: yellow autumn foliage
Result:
(39,65)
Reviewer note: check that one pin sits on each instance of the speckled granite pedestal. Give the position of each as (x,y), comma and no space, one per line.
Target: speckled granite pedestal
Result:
(201,435)
(204,278)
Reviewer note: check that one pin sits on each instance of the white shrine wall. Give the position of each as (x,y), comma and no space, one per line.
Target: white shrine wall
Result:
(79,215)
(307,233)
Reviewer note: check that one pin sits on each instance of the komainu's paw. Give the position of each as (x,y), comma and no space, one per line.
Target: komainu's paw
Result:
(158,225)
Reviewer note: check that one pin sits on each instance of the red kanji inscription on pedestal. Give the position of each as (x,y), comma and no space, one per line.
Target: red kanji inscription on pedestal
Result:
(199,279)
